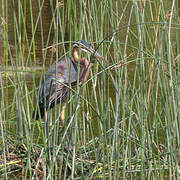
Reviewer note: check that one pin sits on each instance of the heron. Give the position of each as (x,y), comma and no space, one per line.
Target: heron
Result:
(54,88)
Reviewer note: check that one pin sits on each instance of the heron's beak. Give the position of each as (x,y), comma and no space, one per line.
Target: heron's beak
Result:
(84,46)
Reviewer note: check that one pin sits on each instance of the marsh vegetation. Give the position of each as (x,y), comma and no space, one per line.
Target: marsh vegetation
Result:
(124,123)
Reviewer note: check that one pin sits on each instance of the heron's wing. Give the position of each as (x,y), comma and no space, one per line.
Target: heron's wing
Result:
(65,70)
(52,86)
(59,95)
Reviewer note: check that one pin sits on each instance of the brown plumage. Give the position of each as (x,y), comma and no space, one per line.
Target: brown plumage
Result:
(54,86)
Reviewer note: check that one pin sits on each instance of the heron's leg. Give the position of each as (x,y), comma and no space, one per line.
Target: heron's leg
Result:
(62,117)
(46,115)
(47,138)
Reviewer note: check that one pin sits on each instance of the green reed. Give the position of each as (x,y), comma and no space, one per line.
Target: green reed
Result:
(123,122)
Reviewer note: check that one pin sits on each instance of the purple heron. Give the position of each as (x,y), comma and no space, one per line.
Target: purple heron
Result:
(66,72)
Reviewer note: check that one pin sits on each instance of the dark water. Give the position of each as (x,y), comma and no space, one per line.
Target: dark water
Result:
(43,30)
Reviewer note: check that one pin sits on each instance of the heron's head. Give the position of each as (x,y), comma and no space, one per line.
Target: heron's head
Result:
(84,46)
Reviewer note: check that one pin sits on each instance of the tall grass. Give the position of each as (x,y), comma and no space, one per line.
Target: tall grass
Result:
(125,121)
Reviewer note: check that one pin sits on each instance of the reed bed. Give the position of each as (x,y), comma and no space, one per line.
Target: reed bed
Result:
(125,122)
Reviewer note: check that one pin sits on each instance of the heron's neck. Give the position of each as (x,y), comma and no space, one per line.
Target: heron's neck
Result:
(75,54)
(83,61)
